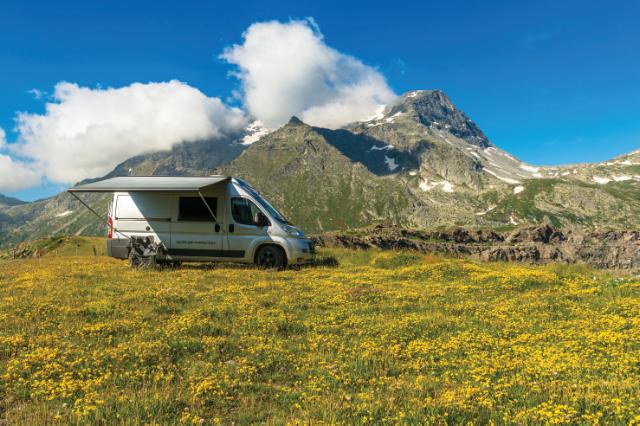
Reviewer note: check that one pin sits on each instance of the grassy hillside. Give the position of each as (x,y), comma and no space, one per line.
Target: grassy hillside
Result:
(314,184)
(58,246)
(55,216)
(9,201)
(383,337)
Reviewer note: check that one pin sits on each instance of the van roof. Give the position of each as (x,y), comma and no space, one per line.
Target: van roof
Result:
(151,184)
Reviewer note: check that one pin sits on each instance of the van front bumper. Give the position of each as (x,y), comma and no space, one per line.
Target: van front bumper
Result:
(301,251)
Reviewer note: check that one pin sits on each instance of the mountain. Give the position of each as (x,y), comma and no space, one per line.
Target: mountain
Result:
(318,177)
(424,164)
(420,162)
(9,201)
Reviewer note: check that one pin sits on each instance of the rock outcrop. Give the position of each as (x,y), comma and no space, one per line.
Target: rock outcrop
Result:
(533,244)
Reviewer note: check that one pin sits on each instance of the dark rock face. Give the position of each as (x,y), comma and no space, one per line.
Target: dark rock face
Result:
(535,244)
(433,108)
(538,234)
(511,254)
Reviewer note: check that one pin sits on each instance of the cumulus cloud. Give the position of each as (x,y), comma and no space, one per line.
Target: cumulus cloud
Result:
(85,132)
(286,69)
(15,175)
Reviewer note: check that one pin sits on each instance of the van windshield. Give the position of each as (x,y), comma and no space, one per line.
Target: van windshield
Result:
(273,212)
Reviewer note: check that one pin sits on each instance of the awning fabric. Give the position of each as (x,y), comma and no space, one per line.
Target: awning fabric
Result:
(151,184)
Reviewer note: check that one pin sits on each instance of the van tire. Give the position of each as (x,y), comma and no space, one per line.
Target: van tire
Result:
(271,257)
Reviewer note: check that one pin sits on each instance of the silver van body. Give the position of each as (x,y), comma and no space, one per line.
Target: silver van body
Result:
(224,221)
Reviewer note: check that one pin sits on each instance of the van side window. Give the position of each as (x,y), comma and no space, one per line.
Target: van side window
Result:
(243,211)
(192,209)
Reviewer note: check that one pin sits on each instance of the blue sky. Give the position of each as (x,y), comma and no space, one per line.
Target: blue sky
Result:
(551,82)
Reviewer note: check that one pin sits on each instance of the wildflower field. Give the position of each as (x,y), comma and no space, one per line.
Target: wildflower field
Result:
(380,337)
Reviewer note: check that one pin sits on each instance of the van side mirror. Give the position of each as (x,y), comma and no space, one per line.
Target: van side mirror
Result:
(261,220)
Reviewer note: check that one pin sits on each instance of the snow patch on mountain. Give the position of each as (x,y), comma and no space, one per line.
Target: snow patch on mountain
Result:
(379,115)
(381,148)
(391,163)
(393,117)
(444,185)
(255,131)
(502,178)
(447,186)
(529,168)
(601,180)
(413,94)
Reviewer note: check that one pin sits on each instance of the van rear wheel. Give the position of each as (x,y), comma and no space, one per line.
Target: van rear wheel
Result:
(270,257)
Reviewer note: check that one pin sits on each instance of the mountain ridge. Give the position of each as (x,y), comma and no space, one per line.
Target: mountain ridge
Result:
(420,162)
(6,201)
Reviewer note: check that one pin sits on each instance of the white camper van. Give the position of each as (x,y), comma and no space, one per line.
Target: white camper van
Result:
(213,218)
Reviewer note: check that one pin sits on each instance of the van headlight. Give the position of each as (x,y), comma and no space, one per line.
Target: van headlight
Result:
(293,232)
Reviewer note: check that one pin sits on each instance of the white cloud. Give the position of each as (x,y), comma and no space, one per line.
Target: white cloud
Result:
(86,132)
(36,93)
(15,175)
(286,69)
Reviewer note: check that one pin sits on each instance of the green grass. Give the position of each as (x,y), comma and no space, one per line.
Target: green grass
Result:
(60,246)
(523,204)
(379,337)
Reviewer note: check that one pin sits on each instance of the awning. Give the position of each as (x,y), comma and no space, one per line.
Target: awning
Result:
(151,184)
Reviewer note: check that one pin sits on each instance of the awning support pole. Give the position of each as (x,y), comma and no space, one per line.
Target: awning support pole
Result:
(87,206)
(215,219)
(96,213)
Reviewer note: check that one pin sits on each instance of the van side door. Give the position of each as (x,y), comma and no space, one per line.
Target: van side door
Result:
(195,234)
(242,229)
(142,215)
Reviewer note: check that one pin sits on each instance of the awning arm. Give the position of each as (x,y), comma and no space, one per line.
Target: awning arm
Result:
(87,206)
(215,219)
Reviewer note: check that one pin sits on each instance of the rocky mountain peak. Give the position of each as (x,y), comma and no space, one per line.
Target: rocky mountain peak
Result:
(434,109)
(295,121)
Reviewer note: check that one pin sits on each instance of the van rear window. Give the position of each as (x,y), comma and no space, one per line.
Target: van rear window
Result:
(193,209)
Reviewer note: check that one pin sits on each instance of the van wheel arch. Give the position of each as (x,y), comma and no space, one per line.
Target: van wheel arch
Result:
(278,247)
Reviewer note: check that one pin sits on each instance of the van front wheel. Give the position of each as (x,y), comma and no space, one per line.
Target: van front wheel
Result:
(270,257)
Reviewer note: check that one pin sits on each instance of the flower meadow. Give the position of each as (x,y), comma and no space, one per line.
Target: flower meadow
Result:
(381,337)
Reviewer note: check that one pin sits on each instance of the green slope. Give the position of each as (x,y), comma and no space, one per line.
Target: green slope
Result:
(315,184)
